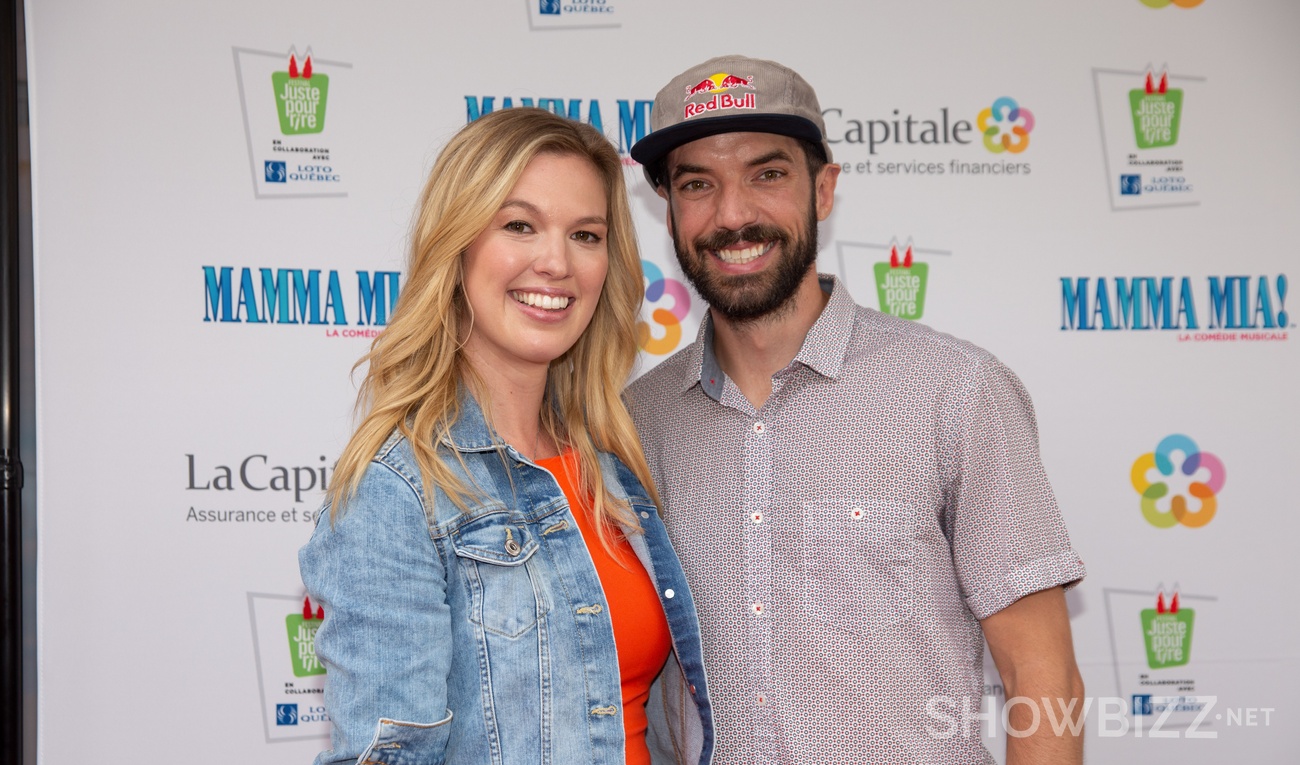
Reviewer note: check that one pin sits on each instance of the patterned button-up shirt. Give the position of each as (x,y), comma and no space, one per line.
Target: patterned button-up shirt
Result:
(843,541)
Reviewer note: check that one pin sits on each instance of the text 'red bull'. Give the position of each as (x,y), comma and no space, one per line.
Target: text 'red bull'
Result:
(722,101)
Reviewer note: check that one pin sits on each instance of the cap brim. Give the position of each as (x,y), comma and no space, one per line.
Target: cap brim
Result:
(656,146)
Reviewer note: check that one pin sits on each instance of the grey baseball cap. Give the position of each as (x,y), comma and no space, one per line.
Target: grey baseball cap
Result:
(731,94)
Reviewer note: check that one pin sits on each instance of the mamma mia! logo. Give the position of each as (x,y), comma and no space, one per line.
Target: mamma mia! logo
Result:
(299,296)
(1255,303)
(633,115)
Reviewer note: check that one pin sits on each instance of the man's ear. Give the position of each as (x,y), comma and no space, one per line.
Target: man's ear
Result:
(825,185)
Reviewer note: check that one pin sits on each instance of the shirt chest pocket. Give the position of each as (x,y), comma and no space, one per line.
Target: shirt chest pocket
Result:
(499,560)
(859,564)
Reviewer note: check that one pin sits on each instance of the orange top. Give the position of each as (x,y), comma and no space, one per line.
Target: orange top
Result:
(640,630)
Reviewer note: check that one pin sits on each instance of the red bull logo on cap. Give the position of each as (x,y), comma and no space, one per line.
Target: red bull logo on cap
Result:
(717,85)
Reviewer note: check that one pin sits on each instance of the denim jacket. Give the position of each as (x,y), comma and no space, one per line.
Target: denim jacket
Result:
(483,636)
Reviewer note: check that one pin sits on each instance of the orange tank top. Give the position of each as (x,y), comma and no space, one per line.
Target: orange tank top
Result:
(640,630)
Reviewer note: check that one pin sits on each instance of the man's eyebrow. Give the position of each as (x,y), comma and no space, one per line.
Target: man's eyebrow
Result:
(776,155)
(772,156)
(685,169)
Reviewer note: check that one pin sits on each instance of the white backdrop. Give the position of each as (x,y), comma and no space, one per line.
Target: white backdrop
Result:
(208,269)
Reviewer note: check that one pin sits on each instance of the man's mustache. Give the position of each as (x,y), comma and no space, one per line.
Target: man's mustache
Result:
(755,232)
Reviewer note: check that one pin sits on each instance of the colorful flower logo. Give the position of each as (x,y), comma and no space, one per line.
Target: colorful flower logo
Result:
(1179,3)
(1195,463)
(1006,126)
(657,286)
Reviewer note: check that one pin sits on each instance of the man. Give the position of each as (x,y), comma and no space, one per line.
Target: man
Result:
(858,501)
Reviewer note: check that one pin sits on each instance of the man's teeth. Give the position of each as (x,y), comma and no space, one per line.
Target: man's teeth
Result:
(737,257)
(538,300)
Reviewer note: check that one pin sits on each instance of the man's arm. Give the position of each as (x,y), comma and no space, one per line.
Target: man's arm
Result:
(1031,645)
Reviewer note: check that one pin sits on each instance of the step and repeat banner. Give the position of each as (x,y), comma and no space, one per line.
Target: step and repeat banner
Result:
(1102,194)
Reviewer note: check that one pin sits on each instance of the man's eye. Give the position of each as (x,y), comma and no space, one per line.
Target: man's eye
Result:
(695,185)
(772,175)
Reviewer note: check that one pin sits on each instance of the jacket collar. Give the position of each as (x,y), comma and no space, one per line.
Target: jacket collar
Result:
(470,432)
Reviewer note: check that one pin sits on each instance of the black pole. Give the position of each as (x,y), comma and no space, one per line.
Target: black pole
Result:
(11,472)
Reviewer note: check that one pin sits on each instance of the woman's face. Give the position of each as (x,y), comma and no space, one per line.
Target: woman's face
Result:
(534,275)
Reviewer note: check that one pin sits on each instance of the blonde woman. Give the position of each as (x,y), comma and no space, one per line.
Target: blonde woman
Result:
(497,584)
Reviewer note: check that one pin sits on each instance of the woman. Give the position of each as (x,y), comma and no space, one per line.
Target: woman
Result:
(497,584)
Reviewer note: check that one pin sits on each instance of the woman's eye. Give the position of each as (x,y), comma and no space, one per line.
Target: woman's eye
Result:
(590,237)
(517,226)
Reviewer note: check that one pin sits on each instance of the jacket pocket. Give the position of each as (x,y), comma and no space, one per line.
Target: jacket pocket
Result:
(859,564)
(497,558)
(407,743)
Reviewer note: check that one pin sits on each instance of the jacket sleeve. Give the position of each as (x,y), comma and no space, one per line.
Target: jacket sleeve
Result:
(385,640)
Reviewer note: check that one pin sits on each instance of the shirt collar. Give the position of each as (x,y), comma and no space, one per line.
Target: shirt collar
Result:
(822,351)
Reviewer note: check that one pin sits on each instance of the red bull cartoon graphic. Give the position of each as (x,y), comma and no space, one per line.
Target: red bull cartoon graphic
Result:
(703,86)
(732,81)
(718,83)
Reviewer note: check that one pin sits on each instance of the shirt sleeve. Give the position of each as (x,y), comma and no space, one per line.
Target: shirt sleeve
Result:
(385,640)
(1008,537)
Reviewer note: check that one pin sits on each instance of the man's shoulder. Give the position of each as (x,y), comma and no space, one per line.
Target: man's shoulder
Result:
(874,331)
(664,380)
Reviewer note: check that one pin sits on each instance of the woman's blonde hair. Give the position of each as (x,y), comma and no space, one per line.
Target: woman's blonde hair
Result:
(416,365)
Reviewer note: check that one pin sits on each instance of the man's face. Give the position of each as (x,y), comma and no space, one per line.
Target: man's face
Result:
(743,213)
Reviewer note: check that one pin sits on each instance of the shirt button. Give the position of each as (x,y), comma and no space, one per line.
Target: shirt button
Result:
(856,513)
(762,699)
(759,428)
(668,593)
(756,517)
(757,608)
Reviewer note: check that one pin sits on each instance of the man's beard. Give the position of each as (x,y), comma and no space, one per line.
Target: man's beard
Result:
(746,298)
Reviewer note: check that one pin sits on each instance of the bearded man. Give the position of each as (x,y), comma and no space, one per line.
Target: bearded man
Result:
(858,501)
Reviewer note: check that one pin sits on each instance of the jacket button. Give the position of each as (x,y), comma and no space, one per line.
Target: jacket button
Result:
(668,593)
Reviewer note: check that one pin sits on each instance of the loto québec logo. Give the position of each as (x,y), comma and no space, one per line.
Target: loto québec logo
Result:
(1165,3)
(1179,483)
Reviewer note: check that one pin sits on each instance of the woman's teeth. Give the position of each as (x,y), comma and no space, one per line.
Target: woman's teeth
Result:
(538,300)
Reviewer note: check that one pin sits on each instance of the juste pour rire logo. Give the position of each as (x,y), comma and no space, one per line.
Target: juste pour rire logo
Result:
(901,282)
(1164,3)
(1167,631)
(1179,483)
(300,96)
(302,629)
(669,320)
(1157,112)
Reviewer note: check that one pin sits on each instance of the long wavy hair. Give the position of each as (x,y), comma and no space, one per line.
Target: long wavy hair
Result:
(416,366)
